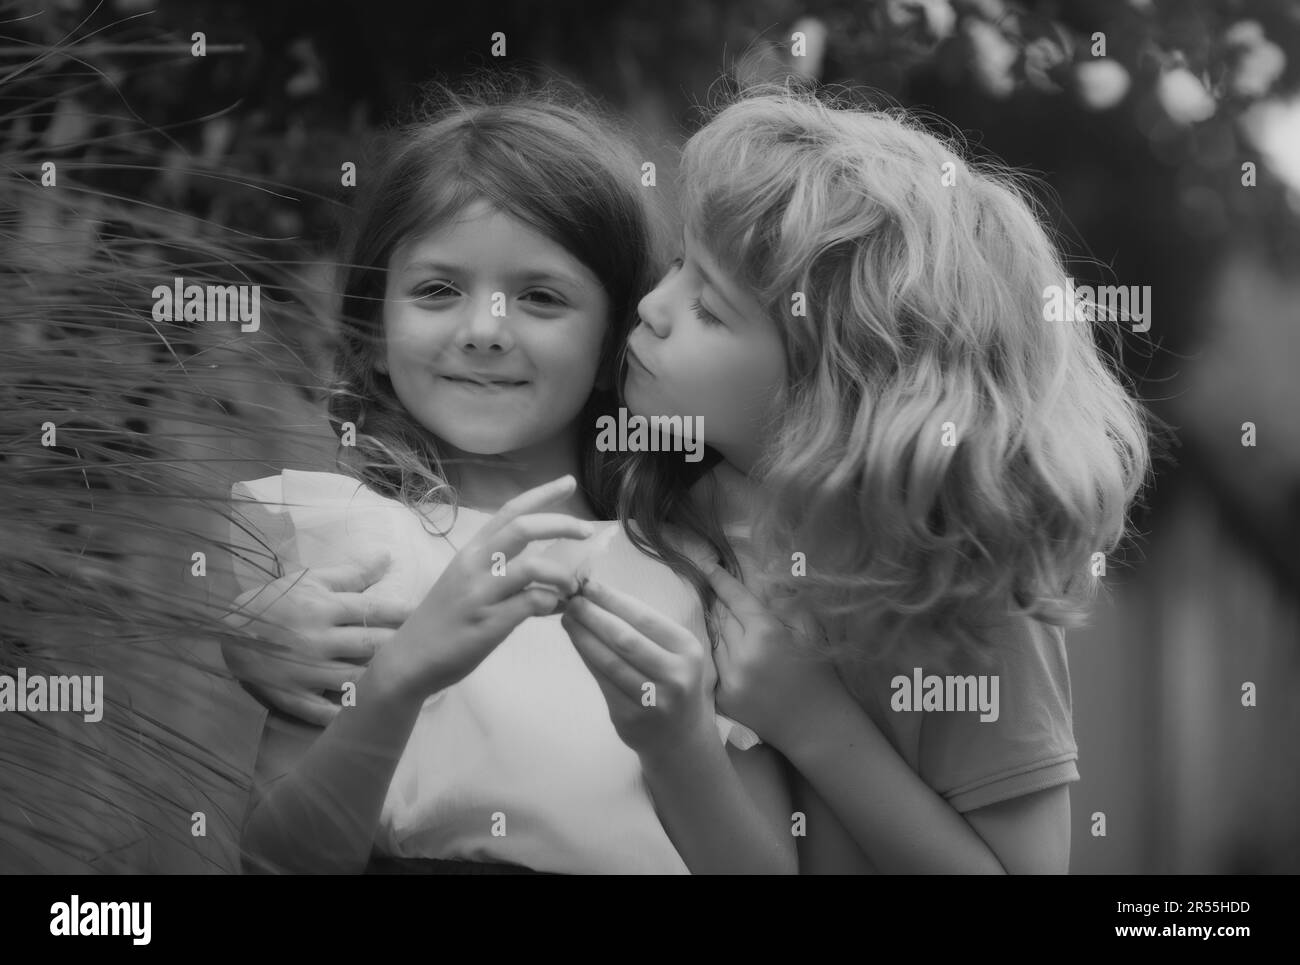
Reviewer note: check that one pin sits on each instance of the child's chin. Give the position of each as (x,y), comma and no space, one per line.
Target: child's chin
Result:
(486,443)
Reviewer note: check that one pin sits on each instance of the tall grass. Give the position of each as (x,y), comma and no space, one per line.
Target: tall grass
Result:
(152,421)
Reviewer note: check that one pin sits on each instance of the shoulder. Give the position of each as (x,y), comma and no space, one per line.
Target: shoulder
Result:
(304,519)
(1030,656)
(293,486)
(693,547)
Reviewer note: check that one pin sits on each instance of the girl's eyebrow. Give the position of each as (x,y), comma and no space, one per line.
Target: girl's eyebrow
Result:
(524,276)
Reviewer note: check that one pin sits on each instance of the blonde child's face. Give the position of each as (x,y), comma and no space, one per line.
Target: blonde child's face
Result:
(705,347)
(493,333)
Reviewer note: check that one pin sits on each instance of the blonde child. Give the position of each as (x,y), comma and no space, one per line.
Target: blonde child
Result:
(917,470)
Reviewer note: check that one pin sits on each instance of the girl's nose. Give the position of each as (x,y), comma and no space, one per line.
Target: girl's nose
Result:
(485,329)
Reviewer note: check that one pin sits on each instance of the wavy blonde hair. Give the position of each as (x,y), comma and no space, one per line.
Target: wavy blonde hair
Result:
(924,300)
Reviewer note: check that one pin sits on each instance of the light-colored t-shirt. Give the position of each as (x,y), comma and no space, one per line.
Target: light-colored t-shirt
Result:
(519,761)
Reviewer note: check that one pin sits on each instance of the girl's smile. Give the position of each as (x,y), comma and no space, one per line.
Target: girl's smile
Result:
(485,382)
(493,333)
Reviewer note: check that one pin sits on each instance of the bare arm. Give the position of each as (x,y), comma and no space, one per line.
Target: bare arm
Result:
(901,824)
(319,793)
(826,847)
(727,811)
(1030,834)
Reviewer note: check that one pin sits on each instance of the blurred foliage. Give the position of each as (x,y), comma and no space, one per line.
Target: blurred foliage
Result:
(1204,85)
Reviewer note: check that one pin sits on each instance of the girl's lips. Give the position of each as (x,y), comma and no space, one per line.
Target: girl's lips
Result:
(489,385)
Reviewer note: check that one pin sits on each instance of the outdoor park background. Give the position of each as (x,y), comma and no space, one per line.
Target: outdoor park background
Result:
(226,168)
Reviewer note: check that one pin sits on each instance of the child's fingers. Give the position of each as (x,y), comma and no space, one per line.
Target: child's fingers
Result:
(535,601)
(523,570)
(602,661)
(370,610)
(640,616)
(311,708)
(731,632)
(519,532)
(726,626)
(334,676)
(354,643)
(315,675)
(615,697)
(735,596)
(529,502)
(647,657)
(353,577)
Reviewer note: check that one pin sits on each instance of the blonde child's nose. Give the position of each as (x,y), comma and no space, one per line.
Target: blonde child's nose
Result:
(650,312)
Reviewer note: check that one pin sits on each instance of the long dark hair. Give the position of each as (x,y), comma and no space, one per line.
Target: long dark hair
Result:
(542,153)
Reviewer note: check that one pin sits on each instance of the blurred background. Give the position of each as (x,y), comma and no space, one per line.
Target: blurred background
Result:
(1166,137)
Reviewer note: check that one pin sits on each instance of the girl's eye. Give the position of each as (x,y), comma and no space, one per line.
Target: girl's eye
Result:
(675,263)
(435,289)
(546,298)
(707,317)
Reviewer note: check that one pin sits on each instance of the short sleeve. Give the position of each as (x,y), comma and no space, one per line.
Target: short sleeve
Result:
(304,520)
(974,761)
(261,532)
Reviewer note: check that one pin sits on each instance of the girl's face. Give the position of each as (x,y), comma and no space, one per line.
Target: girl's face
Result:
(493,333)
(705,347)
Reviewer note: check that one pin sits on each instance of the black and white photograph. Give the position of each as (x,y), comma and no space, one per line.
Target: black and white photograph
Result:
(788,437)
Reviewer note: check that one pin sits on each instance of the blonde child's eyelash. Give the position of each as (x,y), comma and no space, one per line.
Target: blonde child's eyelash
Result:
(704,314)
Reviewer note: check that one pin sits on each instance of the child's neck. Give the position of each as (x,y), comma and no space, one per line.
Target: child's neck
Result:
(487,483)
(730,494)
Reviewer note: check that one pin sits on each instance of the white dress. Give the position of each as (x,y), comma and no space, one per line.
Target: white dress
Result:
(518,762)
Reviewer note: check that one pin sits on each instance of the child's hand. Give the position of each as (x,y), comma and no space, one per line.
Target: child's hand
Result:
(627,646)
(485,592)
(764,680)
(313,622)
